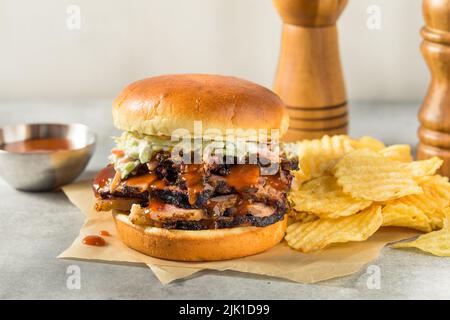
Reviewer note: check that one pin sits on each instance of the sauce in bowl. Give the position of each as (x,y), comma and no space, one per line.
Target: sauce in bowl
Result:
(38,145)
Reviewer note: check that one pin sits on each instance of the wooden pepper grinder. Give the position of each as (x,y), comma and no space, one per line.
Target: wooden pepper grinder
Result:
(434,116)
(309,77)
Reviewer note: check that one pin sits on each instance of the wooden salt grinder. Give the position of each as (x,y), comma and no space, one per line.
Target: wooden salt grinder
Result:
(434,116)
(309,77)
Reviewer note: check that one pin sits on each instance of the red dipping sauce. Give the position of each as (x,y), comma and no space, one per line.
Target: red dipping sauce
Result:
(38,145)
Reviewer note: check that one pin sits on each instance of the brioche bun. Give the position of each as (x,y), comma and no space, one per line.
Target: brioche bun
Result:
(160,105)
(198,245)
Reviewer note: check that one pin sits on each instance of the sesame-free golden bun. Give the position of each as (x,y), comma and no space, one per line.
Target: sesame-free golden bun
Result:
(160,105)
(199,245)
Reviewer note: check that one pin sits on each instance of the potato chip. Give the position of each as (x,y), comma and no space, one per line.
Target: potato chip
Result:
(324,197)
(369,143)
(340,178)
(302,217)
(436,242)
(398,152)
(441,186)
(439,183)
(425,167)
(337,144)
(433,201)
(307,237)
(365,174)
(408,216)
(318,155)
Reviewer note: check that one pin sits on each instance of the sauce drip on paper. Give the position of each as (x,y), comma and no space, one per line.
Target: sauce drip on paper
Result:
(104,233)
(94,241)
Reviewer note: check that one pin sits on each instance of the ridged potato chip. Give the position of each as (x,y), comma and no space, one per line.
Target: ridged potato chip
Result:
(316,235)
(324,197)
(425,167)
(433,201)
(346,189)
(439,183)
(302,217)
(436,242)
(318,155)
(397,152)
(369,143)
(408,216)
(365,174)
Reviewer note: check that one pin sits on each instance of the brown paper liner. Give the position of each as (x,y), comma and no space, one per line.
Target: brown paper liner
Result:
(280,261)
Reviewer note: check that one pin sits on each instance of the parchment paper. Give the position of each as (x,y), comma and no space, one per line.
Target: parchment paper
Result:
(280,261)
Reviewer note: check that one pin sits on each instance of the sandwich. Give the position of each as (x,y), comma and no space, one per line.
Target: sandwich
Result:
(197,174)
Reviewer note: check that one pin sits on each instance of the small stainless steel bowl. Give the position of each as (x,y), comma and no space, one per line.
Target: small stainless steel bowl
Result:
(45,170)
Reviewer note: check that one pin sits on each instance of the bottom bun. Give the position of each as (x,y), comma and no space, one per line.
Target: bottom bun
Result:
(199,245)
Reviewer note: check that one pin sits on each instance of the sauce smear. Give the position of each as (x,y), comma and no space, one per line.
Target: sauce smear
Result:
(142,181)
(94,241)
(38,145)
(104,233)
(103,178)
(145,181)
(276,183)
(242,207)
(193,174)
(156,205)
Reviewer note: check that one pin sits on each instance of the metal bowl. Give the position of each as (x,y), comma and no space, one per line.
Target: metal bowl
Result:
(45,170)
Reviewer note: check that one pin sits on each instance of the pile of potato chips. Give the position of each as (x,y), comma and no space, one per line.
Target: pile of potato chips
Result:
(346,189)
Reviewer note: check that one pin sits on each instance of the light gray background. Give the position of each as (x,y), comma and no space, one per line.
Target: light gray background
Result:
(121,41)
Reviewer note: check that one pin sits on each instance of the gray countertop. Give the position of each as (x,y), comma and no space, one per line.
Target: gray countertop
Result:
(36,227)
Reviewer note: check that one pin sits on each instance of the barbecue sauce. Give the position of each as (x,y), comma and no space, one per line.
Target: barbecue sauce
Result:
(156,205)
(158,184)
(242,207)
(240,177)
(142,181)
(193,176)
(275,182)
(94,241)
(103,178)
(38,145)
(104,233)
(145,181)
(243,176)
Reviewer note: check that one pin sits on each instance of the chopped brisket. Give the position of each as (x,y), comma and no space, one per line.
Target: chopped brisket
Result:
(225,222)
(267,200)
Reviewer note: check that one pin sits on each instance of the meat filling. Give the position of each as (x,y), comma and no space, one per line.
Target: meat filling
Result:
(196,196)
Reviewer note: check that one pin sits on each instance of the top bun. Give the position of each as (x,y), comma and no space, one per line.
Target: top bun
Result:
(159,105)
